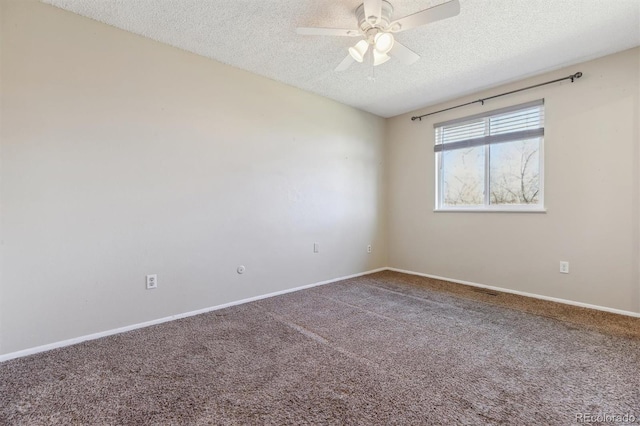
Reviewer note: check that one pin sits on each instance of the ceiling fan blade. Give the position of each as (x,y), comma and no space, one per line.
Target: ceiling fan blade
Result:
(328,32)
(346,63)
(436,13)
(404,54)
(372,10)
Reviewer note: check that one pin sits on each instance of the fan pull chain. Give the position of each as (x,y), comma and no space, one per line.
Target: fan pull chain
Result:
(372,77)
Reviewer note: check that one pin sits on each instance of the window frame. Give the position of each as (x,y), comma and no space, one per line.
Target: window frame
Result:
(487,206)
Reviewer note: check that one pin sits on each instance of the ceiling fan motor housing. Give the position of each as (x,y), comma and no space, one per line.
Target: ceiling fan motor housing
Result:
(382,23)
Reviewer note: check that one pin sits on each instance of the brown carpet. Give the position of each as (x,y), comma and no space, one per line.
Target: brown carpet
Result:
(387,348)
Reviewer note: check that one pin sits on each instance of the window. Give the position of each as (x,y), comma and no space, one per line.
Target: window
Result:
(491,161)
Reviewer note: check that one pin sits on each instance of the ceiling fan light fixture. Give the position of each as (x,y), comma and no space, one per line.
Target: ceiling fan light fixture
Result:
(379,58)
(357,52)
(383,42)
(376,26)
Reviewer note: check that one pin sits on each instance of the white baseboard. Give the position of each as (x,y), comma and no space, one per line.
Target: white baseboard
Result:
(522,293)
(75,340)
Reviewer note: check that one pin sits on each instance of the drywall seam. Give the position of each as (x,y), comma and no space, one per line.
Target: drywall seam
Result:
(521,293)
(76,340)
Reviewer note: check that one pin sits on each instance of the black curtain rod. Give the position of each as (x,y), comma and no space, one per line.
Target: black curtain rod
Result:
(572,77)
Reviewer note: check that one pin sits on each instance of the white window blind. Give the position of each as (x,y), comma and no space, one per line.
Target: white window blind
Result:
(525,121)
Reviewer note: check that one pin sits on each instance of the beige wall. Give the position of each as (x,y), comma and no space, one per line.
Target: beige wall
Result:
(122,157)
(591,195)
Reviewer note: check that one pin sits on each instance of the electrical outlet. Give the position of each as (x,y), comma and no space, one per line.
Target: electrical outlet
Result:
(564,267)
(316,248)
(369,248)
(152,281)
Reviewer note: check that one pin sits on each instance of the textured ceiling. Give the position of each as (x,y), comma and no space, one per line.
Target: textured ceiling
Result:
(491,42)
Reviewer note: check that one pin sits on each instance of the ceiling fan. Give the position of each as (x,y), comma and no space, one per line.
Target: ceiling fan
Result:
(377,29)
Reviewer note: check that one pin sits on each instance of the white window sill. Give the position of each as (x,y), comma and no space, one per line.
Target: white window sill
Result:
(494,210)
